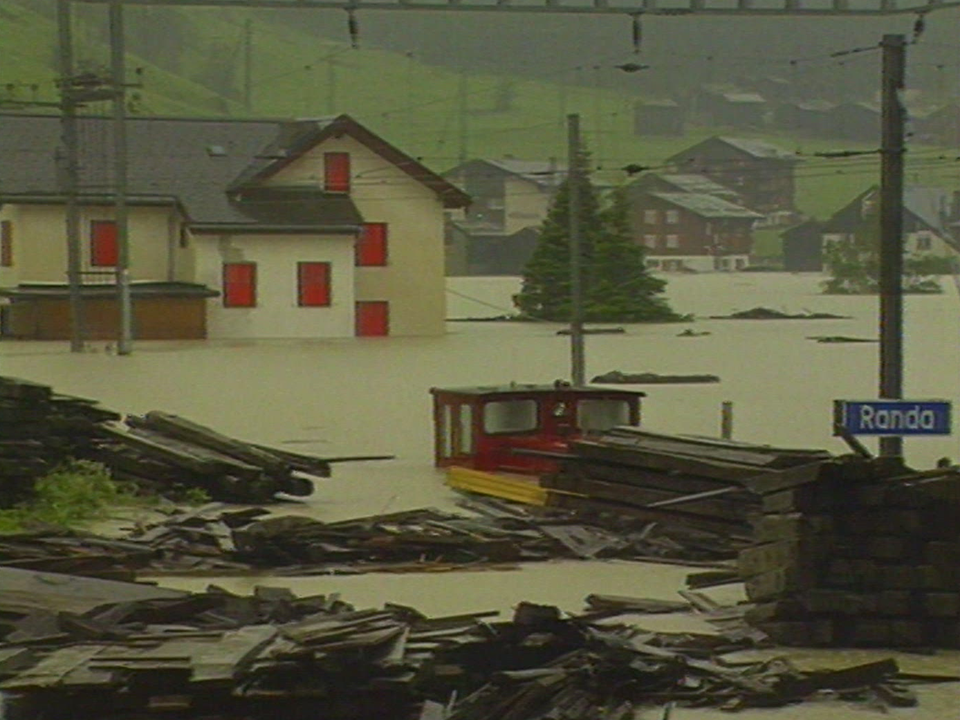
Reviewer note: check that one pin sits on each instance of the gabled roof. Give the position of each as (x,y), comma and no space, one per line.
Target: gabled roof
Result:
(691,183)
(931,206)
(297,137)
(708,206)
(545,174)
(753,148)
(191,163)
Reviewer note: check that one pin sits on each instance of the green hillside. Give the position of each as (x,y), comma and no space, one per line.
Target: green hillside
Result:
(194,63)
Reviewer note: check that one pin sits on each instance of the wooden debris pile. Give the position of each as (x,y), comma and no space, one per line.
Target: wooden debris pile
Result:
(40,430)
(159,452)
(701,493)
(868,560)
(222,656)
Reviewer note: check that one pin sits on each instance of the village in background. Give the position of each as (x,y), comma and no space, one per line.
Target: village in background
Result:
(230,185)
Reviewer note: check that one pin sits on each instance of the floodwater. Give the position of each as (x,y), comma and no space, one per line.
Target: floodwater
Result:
(370,396)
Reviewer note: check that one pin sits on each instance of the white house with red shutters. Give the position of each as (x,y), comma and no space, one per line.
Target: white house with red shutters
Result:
(237,229)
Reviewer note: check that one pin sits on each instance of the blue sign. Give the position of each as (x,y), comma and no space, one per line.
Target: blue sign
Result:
(893,417)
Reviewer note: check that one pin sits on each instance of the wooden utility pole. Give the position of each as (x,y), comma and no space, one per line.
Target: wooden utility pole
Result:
(121,215)
(462,131)
(576,271)
(891,229)
(71,179)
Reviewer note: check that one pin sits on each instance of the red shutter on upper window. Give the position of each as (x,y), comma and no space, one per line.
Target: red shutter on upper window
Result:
(6,243)
(104,247)
(239,284)
(313,282)
(372,245)
(336,172)
(372,318)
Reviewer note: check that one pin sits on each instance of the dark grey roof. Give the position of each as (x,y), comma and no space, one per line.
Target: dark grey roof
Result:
(709,206)
(932,206)
(758,148)
(194,162)
(693,183)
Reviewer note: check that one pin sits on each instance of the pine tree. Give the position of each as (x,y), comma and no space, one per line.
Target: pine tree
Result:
(616,286)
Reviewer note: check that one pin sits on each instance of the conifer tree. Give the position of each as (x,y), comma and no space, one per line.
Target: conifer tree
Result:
(616,286)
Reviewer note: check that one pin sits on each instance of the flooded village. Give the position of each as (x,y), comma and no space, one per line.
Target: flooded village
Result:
(291,412)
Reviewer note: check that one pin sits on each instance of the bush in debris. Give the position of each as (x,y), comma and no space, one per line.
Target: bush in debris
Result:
(76,491)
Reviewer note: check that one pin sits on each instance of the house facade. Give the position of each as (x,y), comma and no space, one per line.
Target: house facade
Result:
(245,229)
(691,231)
(760,173)
(508,199)
(930,217)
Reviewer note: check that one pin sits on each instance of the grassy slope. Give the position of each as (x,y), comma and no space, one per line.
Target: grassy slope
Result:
(416,106)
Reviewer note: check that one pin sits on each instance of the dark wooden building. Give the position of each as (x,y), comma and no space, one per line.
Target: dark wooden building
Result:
(658,117)
(803,247)
(760,173)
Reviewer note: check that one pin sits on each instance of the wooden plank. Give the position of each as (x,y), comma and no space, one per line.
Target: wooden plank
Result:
(225,659)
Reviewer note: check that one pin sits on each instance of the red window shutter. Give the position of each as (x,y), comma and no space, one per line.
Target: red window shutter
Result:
(104,249)
(313,284)
(372,318)
(6,243)
(336,172)
(239,285)
(372,245)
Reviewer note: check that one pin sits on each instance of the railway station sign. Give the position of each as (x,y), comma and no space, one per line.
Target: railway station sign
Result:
(893,417)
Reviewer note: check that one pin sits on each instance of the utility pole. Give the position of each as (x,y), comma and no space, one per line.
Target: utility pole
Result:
(891,229)
(248,65)
(576,285)
(118,74)
(71,180)
(462,117)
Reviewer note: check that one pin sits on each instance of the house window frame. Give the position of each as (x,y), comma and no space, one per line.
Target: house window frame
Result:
(226,294)
(326,299)
(336,164)
(651,217)
(100,255)
(651,241)
(672,241)
(364,256)
(671,217)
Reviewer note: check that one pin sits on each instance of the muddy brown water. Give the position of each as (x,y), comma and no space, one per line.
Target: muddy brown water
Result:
(371,396)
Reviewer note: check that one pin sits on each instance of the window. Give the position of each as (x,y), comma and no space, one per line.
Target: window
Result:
(372,318)
(6,243)
(596,415)
(671,217)
(313,284)
(104,247)
(336,172)
(650,217)
(923,242)
(371,248)
(650,241)
(510,416)
(673,241)
(240,284)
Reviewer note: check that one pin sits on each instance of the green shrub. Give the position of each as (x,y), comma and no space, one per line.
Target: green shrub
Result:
(75,492)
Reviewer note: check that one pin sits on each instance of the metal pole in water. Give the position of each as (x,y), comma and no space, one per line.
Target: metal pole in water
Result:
(726,420)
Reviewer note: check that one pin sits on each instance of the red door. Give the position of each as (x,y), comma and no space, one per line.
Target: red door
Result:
(372,318)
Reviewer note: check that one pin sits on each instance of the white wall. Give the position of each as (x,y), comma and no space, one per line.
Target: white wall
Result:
(277,314)
(413,281)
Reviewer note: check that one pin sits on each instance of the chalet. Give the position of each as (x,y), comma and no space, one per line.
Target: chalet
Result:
(237,229)
(940,126)
(802,247)
(855,122)
(658,117)
(692,231)
(760,173)
(508,198)
(930,215)
(733,108)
